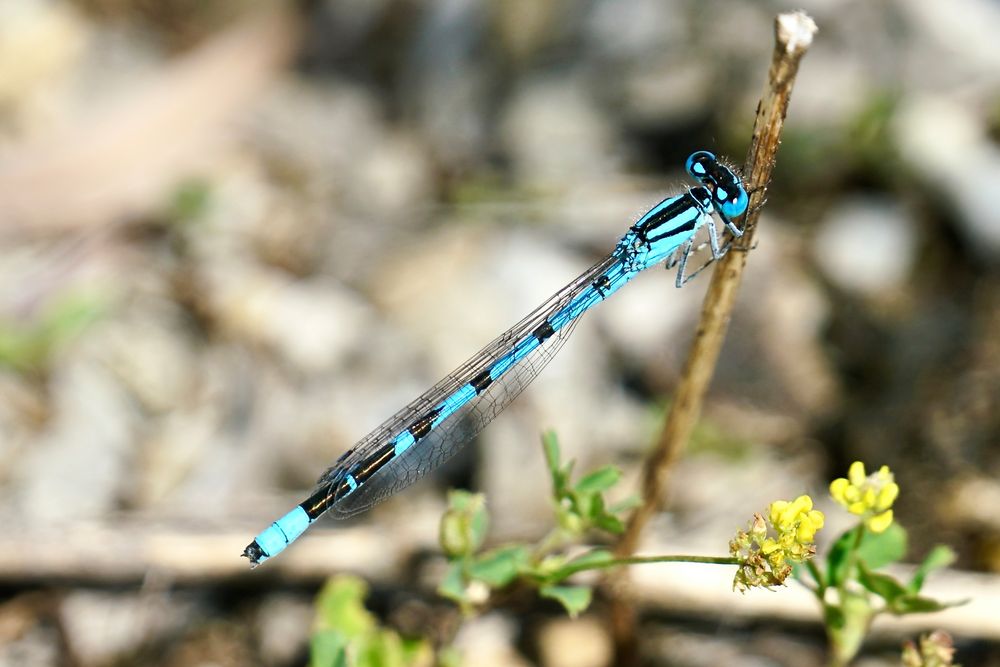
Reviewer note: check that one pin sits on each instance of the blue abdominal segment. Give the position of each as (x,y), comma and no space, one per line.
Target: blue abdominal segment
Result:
(280,534)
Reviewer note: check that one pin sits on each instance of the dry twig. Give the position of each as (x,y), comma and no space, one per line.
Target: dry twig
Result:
(793,36)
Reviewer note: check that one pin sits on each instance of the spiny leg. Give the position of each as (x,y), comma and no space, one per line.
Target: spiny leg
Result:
(683,262)
(713,240)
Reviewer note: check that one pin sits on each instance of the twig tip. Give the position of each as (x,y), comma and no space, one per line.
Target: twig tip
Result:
(795,31)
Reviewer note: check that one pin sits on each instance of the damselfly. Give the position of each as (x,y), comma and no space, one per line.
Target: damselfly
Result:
(434,426)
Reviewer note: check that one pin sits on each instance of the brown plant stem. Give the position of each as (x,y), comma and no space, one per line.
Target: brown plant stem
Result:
(793,35)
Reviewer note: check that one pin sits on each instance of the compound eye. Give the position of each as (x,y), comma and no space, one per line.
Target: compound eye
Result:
(736,205)
(698,164)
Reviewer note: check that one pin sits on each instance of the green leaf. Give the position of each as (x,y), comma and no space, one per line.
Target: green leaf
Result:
(610,523)
(879,549)
(848,629)
(801,571)
(940,556)
(833,617)
(327,648)
(593,557)
(598,481)
(882,585)
(499,567)
(574,599)
(414,649)
(340,607)
(452,585)
(625,505)
(916,604)
(449,656)
(560,474)
(464,526)
(550,444)
(837,559)
(386,648)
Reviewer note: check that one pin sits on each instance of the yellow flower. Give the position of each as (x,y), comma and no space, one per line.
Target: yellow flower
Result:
(765,561)
(867,496)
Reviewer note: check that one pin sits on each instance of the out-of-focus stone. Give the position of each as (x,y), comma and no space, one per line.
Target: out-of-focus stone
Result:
(582,642)
(101,627)
(284,623)
(148,351)
(392,180)
(39,43)
(312,324)
(866,245)
(488,641)
(38,647)
(945,141)
(77,467)
(555,134)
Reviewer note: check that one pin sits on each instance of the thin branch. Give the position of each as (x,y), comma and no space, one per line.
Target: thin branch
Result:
(793,36)
(570,570)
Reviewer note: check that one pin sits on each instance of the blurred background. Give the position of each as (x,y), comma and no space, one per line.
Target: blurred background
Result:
(234,237)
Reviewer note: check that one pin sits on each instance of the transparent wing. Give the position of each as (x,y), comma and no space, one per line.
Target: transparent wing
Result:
(444,440)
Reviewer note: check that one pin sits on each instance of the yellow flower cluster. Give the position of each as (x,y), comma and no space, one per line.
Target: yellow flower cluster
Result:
(765,561)
(869,496)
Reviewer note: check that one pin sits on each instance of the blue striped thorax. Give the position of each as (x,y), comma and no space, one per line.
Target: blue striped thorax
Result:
(669,224)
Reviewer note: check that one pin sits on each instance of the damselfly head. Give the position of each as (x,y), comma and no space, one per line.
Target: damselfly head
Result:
(728,194)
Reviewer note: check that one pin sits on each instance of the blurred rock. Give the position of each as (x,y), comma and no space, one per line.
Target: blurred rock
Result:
(582,642)
(39,44)
(525,27)
(101,628)
(488,641)
(866,245)
(79,464)
(391,180)
(311,324)
(957,40)
(665,91)
(38,647)
(284,623)
(555,134)
(446,82)
(151,354)
(634,28)
(946,141)
(786,310)
(317,132)
(697,650)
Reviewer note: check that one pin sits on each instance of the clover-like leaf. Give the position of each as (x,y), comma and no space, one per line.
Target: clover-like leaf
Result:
(574,599)
(940,556)
(918,604)
(598,481)
(883,585)
(499,567)
(453,585)
(880,549)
